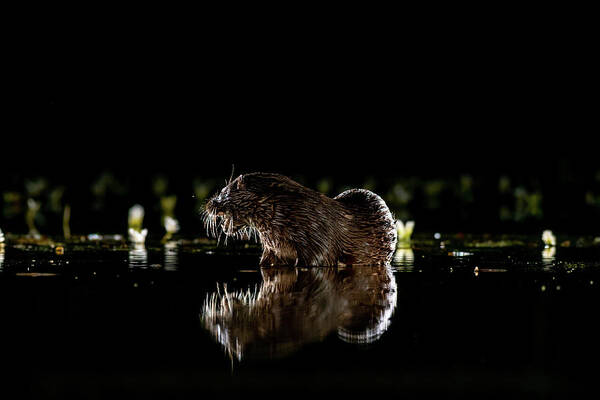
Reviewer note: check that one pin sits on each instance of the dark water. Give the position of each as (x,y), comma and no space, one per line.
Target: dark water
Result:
(455,317)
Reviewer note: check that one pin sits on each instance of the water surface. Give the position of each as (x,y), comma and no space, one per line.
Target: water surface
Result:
(454,316)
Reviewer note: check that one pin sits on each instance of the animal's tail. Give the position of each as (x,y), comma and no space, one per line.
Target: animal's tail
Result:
(373,217)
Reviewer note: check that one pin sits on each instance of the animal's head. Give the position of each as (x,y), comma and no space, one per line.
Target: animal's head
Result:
(243,201)
(228,209)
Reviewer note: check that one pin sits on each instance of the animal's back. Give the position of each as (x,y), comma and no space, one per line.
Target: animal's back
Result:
(373,236)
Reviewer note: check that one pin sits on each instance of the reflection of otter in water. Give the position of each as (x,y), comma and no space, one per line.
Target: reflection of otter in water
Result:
(293,307)
(299,226)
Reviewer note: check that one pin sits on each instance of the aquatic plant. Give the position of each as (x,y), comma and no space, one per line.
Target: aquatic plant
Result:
(399,195)
(527,204)
(55,198)
(167,205)
(404,232)
(504,184)
(32,209)
(548,238)
(35,187)
(12,202)
(138,237)
(202,189)
(370,184)
(104,186)
(171,227)
(592,199)
(160,184)
(465,190)
(324,185)
(433,193)
(66,221)
(136,217)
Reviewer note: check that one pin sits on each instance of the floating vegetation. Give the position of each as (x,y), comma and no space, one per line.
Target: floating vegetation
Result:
(324,186)
(548,238)
(167,204)
(138,237)
(592,199)
(12,204)
(105,186)
(55,199)
(459,253)
(67,222)
(136,217)
(202,189)
(33,207)
(404,232)
(495,243)
(160,184)
(400,194)
(35,187)
(171,227)
(527,204)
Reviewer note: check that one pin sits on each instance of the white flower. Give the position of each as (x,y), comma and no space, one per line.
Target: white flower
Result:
(136,217)
(33,205)
(548,238)
(404,230)
(138,237)
(171,225)
(1,236)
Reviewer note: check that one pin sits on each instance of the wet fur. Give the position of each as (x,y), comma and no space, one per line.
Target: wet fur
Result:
(292,307)
(299,226)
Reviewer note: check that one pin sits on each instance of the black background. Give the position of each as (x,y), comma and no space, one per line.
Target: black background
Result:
(427,97)
(329,101)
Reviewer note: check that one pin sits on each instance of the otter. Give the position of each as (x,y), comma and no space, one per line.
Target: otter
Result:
(299,226)
(292,307)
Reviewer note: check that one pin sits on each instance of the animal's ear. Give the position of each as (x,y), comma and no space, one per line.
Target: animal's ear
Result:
(240,182)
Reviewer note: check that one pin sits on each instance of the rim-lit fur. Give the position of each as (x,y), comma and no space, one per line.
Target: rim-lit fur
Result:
(299,226)
(292,307)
